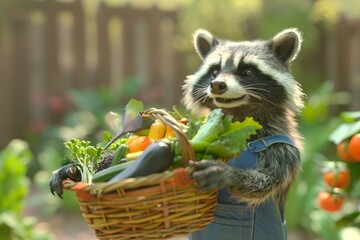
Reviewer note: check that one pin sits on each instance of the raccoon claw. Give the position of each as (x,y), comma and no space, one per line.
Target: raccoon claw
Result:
(55,182)
(210,174)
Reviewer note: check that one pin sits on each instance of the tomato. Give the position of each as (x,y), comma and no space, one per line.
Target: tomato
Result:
(343,152)
(338,179)
(354,147)
(330,202)
(138,143)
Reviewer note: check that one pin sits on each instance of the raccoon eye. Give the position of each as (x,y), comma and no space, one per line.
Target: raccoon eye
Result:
(249,72)
(214,74)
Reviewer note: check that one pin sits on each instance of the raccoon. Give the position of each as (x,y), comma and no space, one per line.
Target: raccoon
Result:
(250,78)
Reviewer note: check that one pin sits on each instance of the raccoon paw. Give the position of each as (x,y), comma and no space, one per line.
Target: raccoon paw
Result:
(211,174)
(68,171)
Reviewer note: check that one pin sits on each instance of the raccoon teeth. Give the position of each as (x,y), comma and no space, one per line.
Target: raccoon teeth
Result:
(229,100)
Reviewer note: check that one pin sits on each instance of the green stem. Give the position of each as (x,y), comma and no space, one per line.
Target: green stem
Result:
(199,146)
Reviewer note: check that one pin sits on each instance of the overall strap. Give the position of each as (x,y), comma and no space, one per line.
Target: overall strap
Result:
(263,143)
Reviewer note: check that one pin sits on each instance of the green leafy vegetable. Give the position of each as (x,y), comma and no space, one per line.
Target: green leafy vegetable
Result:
(231,142)
(85,156)
(212,128)
(193,128)
(220,137)
(216,136)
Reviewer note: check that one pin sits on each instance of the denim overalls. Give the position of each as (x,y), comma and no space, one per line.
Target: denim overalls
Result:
(235,220)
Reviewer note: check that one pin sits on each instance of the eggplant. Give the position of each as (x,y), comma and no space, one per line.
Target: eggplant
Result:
(67,171)
(106,174)
(156,158)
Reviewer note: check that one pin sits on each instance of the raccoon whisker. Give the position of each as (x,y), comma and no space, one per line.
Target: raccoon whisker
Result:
(201,99)
(251,87)
(200,95)
(200,85)
(260,97)
(205,98)
(200,92)
(257,89)
(256,84)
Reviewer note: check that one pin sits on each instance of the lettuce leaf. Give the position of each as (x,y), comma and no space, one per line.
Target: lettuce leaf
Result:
(221,137)
(212,128)
(233,141)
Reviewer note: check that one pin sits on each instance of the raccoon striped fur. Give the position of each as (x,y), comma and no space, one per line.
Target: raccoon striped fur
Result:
(250,78)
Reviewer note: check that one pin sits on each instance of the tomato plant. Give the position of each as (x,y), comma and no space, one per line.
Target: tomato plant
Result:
(354,147)
(330,202)
(346,138)
(337,178)
(343,152)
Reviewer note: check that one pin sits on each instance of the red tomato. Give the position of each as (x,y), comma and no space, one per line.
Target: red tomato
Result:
(342,150)
(338,179)
(354,147)
(330,202)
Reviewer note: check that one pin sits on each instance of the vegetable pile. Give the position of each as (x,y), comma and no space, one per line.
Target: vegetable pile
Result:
(145,146)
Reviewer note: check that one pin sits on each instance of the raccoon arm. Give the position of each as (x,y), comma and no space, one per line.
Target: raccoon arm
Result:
(275,172)
(253,186)
(276,169)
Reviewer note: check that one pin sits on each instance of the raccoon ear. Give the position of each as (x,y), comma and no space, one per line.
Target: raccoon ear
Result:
(204,41)
(287,44)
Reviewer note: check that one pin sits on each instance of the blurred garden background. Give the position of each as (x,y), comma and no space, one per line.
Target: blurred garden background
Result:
(65,64)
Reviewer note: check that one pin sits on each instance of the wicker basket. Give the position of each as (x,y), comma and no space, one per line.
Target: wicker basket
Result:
(157,206)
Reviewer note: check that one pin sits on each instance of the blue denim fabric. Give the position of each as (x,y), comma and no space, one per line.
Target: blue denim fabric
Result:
(236,220)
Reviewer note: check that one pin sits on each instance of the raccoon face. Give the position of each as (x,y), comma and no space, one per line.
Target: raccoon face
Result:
(235,74)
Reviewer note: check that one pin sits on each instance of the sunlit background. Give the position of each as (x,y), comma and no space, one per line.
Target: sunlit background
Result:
(65,64)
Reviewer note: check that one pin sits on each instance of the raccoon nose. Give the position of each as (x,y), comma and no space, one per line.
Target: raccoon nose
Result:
(218,86)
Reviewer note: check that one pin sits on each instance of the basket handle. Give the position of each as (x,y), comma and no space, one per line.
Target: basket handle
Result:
(186,149)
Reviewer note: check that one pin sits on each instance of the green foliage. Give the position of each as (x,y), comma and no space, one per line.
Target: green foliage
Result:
(15,227)
(85,156)
(14,188)
(349,127)
(316,125)
(330,11)
(14,184)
